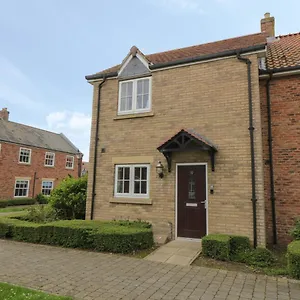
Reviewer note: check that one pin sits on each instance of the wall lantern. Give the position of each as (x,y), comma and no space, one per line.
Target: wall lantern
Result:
(160,169)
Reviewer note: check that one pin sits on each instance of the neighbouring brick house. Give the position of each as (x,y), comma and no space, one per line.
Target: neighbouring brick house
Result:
(32,160)
(180,138)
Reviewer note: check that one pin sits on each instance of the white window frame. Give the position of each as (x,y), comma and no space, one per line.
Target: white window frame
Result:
(46,180)
(134,110)
(68,156)
(131,181)
(28,187)
(47,153)
(22,162)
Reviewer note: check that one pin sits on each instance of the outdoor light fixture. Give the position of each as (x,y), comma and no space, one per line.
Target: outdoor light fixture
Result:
(160,169)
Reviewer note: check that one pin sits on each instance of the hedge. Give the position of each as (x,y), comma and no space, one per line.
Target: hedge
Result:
(239,245)
(18,201)
(293,256)
(216,246)
(116,237)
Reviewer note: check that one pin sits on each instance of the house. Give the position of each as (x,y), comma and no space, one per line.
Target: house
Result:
(32,160)
(84,168)
(180,138)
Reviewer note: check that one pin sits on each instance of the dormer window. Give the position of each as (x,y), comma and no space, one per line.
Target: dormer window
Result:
(135,96)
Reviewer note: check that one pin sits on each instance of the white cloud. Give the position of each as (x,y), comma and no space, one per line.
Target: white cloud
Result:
(181,6)
(75,125)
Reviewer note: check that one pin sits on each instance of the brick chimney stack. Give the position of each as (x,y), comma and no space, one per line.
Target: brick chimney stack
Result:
(267,25)
(4,114)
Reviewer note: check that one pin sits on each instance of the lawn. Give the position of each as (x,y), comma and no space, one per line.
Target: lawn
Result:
(14,209)
(13,292)
(279,268)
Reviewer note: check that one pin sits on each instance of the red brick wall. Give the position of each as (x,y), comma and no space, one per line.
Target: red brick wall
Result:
(10,168)
(285,105)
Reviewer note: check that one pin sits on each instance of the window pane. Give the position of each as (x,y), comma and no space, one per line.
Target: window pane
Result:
(140,87)
(137,185)
(120,187)
(144,173)
(123,104)
(146,101)
(120,173)
(137,173)
(129,103)
(126,187)
(123,89)
(146,86)
(129,88)
(144,187)
(127,171)
(139,102)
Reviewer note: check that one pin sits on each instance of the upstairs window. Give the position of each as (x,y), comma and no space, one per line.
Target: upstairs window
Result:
(25,156)
(135,96)
(132,181)
(70,162)
(49,159)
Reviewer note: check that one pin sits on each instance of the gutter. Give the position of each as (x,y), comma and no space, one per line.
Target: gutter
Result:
(251,131)
(186,60)
(96,149)
(279,70)
(270,140)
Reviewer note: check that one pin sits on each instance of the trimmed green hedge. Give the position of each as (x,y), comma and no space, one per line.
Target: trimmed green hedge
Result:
(239,245)
(17,201)
(216,246)
(293,256)
(115,236)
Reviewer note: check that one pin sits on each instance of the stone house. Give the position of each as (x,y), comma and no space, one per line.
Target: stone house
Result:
(32,160)
(180,138)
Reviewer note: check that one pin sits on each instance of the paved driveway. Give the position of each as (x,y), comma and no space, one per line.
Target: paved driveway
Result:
(89,275)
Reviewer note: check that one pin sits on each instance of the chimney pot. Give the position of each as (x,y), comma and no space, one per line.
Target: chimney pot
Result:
(267,15)
(4,114)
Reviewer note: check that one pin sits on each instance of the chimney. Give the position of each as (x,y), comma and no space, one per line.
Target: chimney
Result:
(4,114)
(267,25)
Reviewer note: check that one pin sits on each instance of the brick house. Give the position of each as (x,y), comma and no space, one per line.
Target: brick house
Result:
(32,160)
(180,138)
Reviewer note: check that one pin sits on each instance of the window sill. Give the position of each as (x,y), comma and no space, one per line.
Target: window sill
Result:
(48,166)
(132,116)
(24,164)
(131,200)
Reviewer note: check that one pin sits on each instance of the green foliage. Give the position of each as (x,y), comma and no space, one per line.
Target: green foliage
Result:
(293,256)
(17,201)
(41,199)
(116,236)
(295,232)
(216,246)
(8,291)
(69,197)
(239,245)
(259,257)
(40,214)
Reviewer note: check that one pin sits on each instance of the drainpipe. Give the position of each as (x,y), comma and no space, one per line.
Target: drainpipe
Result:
(96,149)
(270,139)
(251,131)
(33,188)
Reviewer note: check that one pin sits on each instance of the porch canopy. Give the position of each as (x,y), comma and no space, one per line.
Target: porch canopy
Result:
(187,140)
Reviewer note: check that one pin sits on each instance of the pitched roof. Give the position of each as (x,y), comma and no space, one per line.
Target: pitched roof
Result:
(26,135)
(284,52)
(219,47)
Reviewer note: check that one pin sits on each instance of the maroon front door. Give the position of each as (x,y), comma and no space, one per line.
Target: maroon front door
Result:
(191,197)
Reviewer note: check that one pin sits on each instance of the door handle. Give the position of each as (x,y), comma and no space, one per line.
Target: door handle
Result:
(203,202)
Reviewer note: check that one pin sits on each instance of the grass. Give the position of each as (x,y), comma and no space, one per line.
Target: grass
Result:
(14,209)
(13,292)
(279,268)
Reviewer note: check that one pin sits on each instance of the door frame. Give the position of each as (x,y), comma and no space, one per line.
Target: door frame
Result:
(176,191)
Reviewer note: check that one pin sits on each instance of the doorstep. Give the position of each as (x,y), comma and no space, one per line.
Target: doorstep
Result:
(180,252)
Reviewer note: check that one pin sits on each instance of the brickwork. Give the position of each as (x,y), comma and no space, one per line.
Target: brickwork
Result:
(211,98)
(11,168)
(285,112)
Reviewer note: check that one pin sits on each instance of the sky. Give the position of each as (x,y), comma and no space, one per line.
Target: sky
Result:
(48,46)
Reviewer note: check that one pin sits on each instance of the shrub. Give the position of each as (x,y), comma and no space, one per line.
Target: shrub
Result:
(41,199)
(239,245)
(102,236)
(68,199)
(18,201)
(295,232)
(40,214)
(216,246)
(293,256)
(259,257)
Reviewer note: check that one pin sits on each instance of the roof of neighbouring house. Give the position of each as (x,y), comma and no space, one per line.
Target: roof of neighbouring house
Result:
(30,136)
(222,47)
(284,52)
